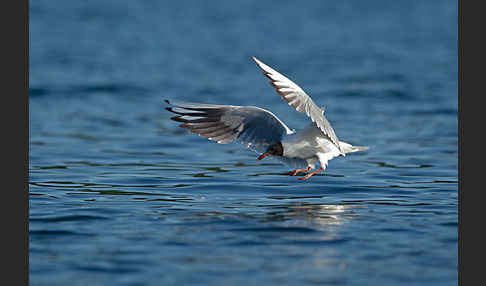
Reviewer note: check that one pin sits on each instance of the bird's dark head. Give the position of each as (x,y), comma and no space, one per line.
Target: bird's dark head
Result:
(275,149)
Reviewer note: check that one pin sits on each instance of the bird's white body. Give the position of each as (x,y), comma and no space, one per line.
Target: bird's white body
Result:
(313,146)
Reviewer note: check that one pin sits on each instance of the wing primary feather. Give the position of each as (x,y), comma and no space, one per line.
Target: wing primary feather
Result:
(221,137)
(199,114)
(218,132)
(210,130)
(201,120)
(202,125)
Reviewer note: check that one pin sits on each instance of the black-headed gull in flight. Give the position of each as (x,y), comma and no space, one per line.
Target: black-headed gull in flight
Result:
(263,132)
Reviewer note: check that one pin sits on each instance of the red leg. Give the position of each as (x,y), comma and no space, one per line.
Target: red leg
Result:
(294,172)
(311,174)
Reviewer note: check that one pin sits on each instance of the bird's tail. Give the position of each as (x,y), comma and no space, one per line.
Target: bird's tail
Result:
(358,148)
(348,148)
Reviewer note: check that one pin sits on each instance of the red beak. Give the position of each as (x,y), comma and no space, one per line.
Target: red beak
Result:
(263,156)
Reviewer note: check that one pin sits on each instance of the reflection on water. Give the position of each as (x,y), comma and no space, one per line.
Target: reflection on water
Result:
(324,218)
(323,215)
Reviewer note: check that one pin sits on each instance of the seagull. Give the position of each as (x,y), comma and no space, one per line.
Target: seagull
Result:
(263,132)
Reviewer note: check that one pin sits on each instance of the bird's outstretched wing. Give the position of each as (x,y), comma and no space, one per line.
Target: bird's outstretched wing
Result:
(298,99)
(254,127)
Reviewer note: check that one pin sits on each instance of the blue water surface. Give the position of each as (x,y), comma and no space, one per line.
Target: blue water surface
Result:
(119,195)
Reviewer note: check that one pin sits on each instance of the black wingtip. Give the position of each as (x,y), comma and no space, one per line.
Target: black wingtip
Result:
(178,119)
(169,109)
(167,101)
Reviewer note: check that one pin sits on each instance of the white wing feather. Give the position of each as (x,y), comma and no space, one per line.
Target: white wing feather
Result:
(298,99)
